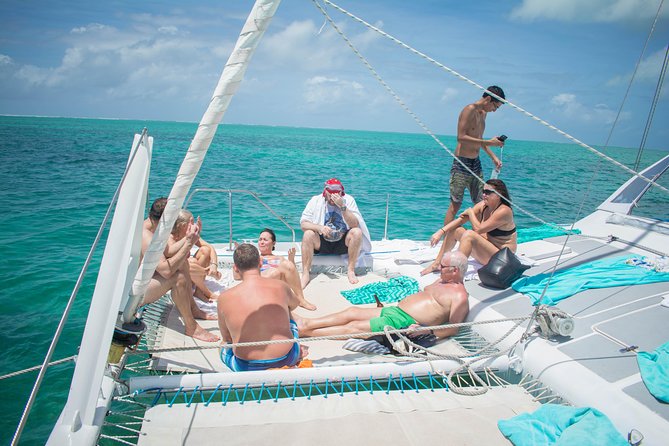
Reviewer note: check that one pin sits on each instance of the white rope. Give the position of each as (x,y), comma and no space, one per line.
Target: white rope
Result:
(324,338)
(512,105)
(30,369)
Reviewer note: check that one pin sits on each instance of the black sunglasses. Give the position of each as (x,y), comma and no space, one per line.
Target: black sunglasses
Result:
(488,191)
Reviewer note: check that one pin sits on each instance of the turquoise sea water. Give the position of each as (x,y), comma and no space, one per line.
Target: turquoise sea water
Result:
(59,174)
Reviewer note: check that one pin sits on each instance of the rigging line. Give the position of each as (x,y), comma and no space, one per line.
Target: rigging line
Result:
(325,338)
(75,291)
(417,119)
(30,369)
(512,105)
(615,121)
(651,113)
(636,68)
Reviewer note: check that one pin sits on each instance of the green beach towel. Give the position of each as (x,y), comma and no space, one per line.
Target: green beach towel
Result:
(654,368)
(393,290)
(552,424)
(617,271)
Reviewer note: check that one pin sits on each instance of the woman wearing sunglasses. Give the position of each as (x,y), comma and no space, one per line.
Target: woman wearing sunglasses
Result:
(492,224)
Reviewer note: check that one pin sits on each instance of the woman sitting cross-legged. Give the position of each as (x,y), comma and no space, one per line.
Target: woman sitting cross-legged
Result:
(278,267)
(492,223)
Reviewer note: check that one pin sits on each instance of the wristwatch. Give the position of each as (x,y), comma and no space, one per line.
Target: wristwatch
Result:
(343,208)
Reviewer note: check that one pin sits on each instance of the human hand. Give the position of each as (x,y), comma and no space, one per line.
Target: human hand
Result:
(495,142)
(498,163)
(212,270)
(193,232)
(326,231)
(337,199)
(291,254)
(198,222)
(434,240)
(466,214)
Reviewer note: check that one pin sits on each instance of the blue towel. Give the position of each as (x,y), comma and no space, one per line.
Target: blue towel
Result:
(617,271)
(553,424)
(654,368)
(393,290)
(542,232)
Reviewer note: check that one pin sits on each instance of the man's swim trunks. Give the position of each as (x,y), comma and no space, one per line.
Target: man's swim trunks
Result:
(461,180)
(242,365)
(393,316)
(338,247)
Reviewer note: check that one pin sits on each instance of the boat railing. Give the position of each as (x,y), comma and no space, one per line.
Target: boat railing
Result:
(256,196)
(229,192)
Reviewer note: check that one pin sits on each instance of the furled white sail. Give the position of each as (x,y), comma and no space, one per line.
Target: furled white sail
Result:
(234,70)
(91,391)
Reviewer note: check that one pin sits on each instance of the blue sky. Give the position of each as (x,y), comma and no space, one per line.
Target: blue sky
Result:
(566,61)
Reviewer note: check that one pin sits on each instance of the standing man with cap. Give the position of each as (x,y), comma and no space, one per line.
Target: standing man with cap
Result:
(332,224)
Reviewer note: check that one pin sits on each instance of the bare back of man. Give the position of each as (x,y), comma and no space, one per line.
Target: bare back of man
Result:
(258,309)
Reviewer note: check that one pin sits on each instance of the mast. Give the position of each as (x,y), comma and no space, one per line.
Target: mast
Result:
(233,73)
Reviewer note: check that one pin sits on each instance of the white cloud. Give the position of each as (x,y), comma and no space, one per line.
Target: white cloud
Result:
(173,30)
(606,11)
(140,61)
(449,94)
(5,60)
(328,91)
(302,45)
(649,70)
(568,105)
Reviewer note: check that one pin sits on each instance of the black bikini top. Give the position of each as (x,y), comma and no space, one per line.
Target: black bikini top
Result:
(498,232)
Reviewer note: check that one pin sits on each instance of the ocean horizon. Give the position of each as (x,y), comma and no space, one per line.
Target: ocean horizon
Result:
(61,173)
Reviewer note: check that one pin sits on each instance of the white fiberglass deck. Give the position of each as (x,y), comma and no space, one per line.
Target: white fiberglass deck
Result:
(409,418)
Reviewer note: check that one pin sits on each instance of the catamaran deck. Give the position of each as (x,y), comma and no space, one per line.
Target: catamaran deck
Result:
(394,418)
(324,290)
(595,356)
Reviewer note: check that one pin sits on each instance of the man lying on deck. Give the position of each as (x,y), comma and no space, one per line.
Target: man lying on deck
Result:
(444,301)
(258,309)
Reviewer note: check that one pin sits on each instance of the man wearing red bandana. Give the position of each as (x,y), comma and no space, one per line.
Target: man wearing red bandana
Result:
(332,224)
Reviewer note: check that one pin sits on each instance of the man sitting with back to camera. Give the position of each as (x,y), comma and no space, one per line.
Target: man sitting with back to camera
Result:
(332,224)
(257,309)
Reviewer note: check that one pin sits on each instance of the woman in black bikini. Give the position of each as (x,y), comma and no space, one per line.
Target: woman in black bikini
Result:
(492,223)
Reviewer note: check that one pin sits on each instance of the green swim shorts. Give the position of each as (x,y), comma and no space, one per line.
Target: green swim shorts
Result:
(393,316)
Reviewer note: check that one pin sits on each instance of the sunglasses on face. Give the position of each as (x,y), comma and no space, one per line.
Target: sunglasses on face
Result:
(447,268)
(488,191)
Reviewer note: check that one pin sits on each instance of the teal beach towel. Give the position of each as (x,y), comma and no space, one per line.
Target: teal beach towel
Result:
(553,424)
(617,271)
(393,290)
(542,232)
(654,368)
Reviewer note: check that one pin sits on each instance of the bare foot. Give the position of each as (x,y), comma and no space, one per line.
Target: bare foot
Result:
(304,351)
(352,277)
(200,295)
(300,322)
(307,305)
(199,314)
(203,335)
(430,269)
(214,297)
(306,278)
